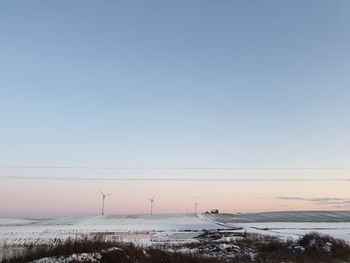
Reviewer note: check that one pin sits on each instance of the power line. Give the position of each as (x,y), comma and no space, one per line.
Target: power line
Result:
(168,168)
(183,179)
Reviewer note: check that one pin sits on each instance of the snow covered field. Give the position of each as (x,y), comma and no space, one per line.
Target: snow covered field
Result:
(41,230)
(289,224)
(171,228)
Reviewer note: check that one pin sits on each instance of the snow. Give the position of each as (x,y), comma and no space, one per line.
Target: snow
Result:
(16,221)
(83,257)
(288,216)
(140,229)
(297,229)
(162,226)
(169,228)
(119,224)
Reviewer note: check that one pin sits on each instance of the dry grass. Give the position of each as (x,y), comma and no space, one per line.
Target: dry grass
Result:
(311,248)
(130,253)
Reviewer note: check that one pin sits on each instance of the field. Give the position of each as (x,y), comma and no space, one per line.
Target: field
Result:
(177,232)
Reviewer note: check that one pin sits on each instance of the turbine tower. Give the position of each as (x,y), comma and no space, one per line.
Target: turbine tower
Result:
(195,203)
(152,200)
(195,207)
(103,201)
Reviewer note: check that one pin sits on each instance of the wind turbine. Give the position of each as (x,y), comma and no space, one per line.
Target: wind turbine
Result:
(152,200)
(195,203)
(195,207)
(103,201)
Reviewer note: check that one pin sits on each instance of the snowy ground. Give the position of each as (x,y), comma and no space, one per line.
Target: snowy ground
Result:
(289,224)
(295,229)
(173,228)
(127,228)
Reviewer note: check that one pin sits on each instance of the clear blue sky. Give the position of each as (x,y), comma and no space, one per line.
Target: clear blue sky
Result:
(175,83)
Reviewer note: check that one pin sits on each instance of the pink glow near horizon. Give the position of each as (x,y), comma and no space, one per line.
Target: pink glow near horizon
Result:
(54,198)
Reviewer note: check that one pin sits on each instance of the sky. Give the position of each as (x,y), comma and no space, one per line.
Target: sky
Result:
(253,84)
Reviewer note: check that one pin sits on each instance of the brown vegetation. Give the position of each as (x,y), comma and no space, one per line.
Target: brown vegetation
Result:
(310,248)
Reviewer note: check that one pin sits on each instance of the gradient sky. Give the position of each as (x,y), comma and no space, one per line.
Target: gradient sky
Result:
(174,84)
